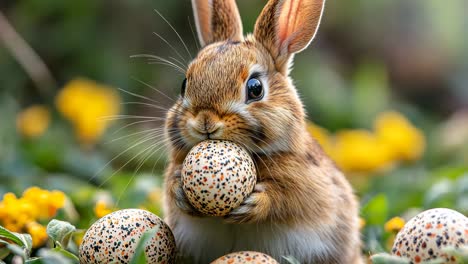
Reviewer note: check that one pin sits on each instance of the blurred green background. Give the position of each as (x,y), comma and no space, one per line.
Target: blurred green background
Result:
(368,57)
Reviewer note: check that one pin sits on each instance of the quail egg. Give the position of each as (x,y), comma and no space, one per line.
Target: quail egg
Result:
(245,257)
(425,235)
(217,176)
(114,238)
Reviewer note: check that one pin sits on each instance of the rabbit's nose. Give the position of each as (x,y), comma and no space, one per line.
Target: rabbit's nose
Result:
(207,128)
(207,123)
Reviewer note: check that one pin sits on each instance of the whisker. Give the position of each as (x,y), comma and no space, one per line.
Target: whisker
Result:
(160,129)
(193,33)
(145,139)
(176,67)
(126,163)
(140,164)
(131,124)
(175,31)
(182,65)
(138,95)
(153,59)
(146,104)
(166,110)
(163,143)
(159,59)
(177,62)
(167,64)
(120,117)
(172,47)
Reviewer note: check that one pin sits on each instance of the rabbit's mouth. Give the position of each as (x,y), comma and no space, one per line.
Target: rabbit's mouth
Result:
(205,125)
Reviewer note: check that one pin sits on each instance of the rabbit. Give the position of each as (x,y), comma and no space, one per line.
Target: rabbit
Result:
(238,89)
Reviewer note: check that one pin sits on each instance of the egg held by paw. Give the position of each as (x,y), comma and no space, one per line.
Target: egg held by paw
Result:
(114,238)
(425,236)
(245,257)
(217,176)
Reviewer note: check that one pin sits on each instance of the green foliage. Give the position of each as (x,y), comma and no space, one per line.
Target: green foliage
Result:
(376,210)
(140,257)
(60,232)
(18,244)
(384,258)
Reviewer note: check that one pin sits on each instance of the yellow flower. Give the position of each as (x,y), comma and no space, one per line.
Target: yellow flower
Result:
(102,208)
(394,225)
(38,233)
(389,242)
(16,214)
(407,142)
(78,237)
(360,151)
(155,195)
(86,104)
(57,199)
(12,226)
(33,121)
(47,202)
(362,223)
(321,135)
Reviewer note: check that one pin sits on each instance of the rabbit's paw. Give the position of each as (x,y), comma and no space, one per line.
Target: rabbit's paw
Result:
(181,199)
(253,209)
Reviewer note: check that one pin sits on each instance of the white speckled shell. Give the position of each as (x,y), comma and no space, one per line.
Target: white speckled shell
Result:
(423,237)
(245,257)
(217,176)
(113,238)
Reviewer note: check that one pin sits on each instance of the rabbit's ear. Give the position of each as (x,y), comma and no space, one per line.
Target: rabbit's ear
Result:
(286,27)
(217,20)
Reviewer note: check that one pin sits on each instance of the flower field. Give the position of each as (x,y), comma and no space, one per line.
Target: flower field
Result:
(81,134)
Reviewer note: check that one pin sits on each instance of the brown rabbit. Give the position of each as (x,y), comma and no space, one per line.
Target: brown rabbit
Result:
(238,89)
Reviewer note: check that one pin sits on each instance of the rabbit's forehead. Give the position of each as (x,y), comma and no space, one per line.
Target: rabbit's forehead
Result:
(217,74)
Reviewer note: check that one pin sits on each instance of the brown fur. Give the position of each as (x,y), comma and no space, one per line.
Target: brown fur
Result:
(298,185)
(223,24)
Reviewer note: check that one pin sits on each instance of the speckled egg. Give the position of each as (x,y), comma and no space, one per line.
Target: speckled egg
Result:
(114,238)
(217,176)
(250,257)
(426,234)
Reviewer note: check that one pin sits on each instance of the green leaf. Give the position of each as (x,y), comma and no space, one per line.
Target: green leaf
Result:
(4,252)
(437,261)
(376,210)
(384,258)
(34,261)
(60,232)
(460,253)
(66,254)
(140,256)
(17,250)
(291,260)
(27,241)
(22,243)
(49,256)
(4,233)
(439,191)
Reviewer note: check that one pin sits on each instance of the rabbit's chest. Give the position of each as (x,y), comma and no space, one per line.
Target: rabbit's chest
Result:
(205,239)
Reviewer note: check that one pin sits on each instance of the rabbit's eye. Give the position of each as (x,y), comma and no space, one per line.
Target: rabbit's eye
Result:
(182,90)
(254,90)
